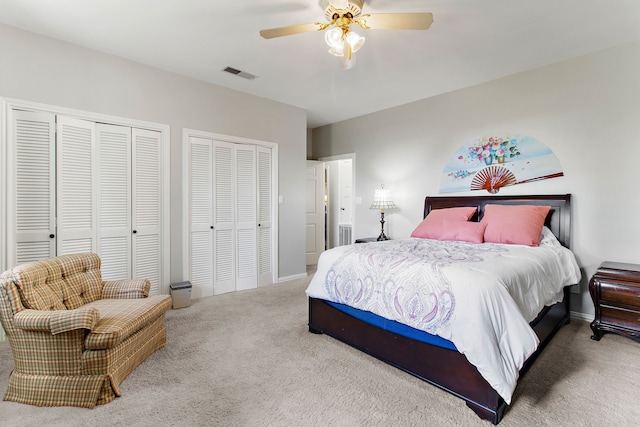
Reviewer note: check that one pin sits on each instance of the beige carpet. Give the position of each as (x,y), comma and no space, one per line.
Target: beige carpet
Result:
(247,359)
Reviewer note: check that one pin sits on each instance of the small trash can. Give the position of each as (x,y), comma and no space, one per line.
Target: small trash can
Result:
(181,294)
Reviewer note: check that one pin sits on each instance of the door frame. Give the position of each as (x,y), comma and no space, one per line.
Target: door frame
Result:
(8,105)
(186,243)
(352,157)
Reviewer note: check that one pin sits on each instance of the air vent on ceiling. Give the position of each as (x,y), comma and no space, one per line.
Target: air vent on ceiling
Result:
(239,73)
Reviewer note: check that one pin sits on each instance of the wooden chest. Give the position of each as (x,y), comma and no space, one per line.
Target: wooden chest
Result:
(615,290)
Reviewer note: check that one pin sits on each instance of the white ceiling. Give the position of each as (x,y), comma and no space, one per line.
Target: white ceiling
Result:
(470,42)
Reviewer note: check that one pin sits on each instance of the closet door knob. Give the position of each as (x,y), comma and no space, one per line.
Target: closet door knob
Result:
(212,227)
(135,231)
(51,236)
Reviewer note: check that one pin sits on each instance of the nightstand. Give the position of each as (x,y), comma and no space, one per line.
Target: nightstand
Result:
(615,291)
(367,239)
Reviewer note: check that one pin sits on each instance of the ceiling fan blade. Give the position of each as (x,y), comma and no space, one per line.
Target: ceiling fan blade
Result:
(287,31)
(399,21)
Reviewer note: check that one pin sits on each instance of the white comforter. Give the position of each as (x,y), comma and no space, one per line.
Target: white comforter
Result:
(480,297)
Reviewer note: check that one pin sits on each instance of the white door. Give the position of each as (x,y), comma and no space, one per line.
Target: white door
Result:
(246,217)
(265,217)
(146,207)
(32,188)
(114,201)
(224,260)
(76,163)
(315,220)
(346,192)
(200,187)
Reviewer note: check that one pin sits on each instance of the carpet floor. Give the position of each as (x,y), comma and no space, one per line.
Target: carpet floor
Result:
(247,359)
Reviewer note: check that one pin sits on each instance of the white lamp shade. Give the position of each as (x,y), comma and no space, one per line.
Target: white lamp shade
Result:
(382,200)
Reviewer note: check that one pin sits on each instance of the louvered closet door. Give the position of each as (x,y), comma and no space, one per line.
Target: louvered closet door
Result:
(200,187)
(246,217)
(32,188)
(265,230)
(114,201)
(224,259)
(146,203)
(76,180)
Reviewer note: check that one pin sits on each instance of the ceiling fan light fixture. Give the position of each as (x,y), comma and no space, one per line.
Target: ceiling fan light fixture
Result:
(336,39)
(341,15)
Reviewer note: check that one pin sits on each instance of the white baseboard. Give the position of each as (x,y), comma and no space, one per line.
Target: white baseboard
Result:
(294,277)
(581,316)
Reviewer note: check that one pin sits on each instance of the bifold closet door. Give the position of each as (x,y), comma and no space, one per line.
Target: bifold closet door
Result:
(246,217)
(200,188)
(223,191)
(32,188)
(52,186)
(146,202)
(265,221)
(129,204)
(76,162)
(224,197)
(114,201)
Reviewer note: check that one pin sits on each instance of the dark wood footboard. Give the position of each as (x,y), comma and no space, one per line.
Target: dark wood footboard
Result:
(444,368)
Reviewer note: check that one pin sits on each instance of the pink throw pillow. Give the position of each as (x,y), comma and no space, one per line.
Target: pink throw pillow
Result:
(472,232)
(431,227)
(516,224)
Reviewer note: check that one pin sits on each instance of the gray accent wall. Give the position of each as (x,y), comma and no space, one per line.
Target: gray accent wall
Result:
(586,110)
(48,71)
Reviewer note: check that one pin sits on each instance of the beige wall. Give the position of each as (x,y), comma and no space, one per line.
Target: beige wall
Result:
(47,71)
(586,110)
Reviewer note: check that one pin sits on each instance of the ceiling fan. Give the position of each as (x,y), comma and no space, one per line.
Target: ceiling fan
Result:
(340,14)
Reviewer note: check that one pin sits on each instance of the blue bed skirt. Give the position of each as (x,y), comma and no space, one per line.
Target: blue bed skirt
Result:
(393,326)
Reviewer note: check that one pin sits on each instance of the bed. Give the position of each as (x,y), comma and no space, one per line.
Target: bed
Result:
(430,357)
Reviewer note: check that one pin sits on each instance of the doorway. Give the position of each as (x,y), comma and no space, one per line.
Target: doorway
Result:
(335,200)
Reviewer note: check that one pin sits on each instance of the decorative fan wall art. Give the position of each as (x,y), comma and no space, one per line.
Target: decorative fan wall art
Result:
(490,163)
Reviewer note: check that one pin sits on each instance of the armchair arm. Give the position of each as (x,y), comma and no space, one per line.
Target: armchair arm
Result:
(57,321)
(125,289)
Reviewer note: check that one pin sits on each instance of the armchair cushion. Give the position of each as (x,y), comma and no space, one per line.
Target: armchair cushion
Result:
(120,318)
(58,321)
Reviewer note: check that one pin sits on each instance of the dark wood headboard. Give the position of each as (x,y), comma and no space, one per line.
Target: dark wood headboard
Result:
(558,220)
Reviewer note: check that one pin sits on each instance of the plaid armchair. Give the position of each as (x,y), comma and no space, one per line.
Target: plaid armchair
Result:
(74,337)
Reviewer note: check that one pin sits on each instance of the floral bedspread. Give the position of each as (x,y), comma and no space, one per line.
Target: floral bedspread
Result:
(402,280)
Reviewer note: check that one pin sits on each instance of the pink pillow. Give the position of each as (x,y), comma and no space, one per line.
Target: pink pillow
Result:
(517,224)
(472,232)
(431,227)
